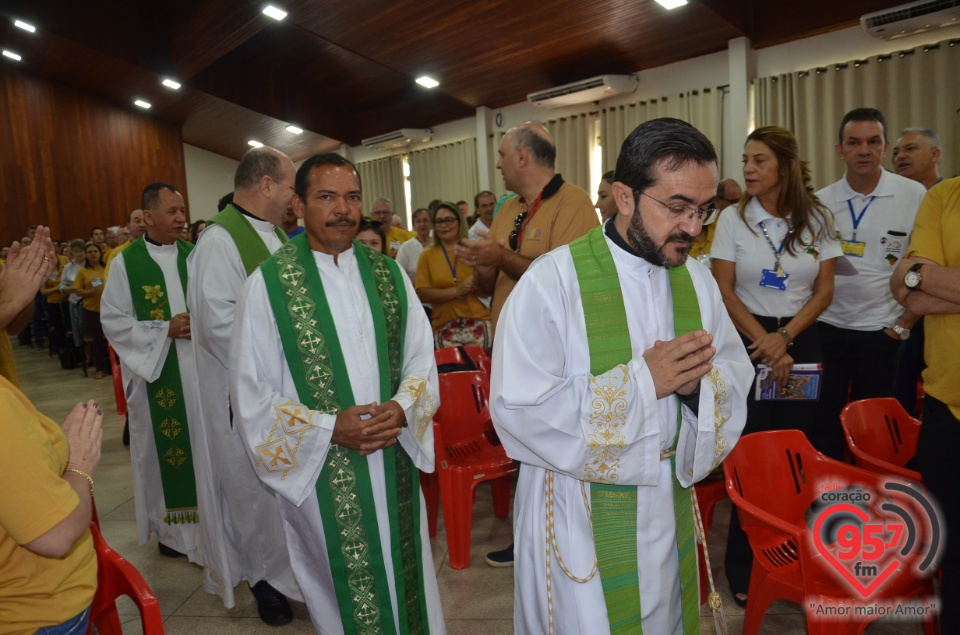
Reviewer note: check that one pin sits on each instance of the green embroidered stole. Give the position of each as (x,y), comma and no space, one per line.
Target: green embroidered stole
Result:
(251,247)
(168,411)
(344,489)
(614,507)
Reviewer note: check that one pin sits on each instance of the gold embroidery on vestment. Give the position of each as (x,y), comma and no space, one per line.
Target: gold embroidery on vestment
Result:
(720,406)
(424,407)
(606,442)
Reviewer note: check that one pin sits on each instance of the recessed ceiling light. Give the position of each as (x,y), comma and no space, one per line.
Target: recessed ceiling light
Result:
(273,12)
(20,24)
(294,130)
(169,83)
(12,55)
(671,4)
(255,144)
(143,104)
(427,82)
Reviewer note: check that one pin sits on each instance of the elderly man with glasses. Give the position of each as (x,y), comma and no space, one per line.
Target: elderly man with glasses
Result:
(382,212)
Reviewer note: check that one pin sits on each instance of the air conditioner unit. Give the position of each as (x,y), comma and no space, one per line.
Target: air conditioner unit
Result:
(909,19)
(398,138)
(587,90)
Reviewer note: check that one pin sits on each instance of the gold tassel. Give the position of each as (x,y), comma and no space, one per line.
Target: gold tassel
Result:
(713,599)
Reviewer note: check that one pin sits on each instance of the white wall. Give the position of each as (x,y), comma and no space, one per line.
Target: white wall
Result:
(209,176)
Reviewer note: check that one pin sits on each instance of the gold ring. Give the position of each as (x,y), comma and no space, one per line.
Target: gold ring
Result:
(46,257)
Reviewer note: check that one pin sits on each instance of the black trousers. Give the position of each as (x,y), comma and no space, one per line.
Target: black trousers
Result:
(773,415)
(937,457)
(909,366)
(856,365)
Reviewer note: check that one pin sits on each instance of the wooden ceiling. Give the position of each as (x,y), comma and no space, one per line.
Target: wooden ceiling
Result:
(344,70)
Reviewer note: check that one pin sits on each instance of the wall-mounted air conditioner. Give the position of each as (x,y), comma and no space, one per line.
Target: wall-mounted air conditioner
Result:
(399,138)
(909,19)
(588,90)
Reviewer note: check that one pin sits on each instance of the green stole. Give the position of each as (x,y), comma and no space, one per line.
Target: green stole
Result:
(251,247)
(614,507)
(168,410)
(344,490)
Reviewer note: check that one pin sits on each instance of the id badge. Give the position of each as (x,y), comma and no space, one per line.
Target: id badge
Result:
(852,247)
(771,280)
(96,282)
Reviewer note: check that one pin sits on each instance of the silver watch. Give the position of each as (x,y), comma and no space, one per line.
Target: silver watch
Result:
(902,332)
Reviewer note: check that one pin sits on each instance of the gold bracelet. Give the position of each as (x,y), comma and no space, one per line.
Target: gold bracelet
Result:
(785,334)
(84,475)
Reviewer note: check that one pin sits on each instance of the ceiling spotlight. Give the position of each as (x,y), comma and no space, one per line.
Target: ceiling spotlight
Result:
(12,55)
(294,130)
(141,103)
(169,83)
(273,12)
(255,144)
(20,24)
(671,4)
(427,82)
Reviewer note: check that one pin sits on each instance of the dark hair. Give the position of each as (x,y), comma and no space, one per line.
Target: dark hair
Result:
(433,204)
(461,222)
(226,199)
(86,246)
(863,114)
(608,176)
(376,227)
(75,246)
(476,199)
(316,161)
(544,153)
(151,195)
(256,164)
(95,228)
(195,230)
(424,210)
(797,197)
(660,144)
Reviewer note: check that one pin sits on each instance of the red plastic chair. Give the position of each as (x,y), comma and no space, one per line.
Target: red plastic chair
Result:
(453,355)
(466,457)
(773,478)
(709,493)
(881,436)
(430,485)
(117,382)
(117,577)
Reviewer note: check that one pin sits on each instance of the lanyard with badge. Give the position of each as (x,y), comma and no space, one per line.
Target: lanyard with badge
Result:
(775,278)
(854,247)
(452,265)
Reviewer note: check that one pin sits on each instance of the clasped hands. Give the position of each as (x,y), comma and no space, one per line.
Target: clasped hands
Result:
(369,427)
(771,349)
(179,327)
(483,255)
(677,366)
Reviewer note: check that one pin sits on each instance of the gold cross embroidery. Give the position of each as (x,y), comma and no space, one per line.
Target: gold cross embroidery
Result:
(276,456)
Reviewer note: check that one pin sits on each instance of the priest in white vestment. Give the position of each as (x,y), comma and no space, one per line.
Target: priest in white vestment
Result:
(575,431)
(242,534)
(143,347)
(292,440)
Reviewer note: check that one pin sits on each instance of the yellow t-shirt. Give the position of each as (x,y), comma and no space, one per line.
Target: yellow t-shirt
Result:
(108,258)
(8,366)
(433,272)
(560,219)
(396,237)
(934,237)
(88,278)
(37,591)
(54,283)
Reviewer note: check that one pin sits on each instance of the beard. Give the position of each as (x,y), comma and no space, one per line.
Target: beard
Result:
(649,250)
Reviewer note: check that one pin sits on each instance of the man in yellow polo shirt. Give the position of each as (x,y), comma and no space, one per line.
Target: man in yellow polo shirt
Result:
(927,282)
(383,213)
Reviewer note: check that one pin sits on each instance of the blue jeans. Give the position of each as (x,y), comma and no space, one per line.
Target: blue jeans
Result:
(73,626)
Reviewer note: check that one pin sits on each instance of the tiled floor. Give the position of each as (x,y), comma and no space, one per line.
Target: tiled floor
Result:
(476,601)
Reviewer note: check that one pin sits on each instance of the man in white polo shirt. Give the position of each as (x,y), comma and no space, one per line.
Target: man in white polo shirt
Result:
(874,212)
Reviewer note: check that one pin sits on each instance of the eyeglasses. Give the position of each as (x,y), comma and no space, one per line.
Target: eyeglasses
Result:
(517,224)
(449,220)
(678,210)
(382,213)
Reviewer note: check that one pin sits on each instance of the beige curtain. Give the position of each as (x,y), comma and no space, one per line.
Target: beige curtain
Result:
(447,172)
(913,88)
(701,108)
(574,139)
(383,177)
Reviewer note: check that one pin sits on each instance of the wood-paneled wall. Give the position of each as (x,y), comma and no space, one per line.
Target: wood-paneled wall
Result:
(72,161)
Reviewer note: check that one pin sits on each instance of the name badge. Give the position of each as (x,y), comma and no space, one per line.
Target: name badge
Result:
(54,276)
(771,280)
(852,247)
(395,245)
(96,282)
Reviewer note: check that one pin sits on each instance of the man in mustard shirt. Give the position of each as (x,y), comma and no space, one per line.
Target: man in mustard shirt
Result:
(383,213)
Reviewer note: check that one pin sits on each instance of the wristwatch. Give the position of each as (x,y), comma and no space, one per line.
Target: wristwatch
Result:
(902,332)
(913,278)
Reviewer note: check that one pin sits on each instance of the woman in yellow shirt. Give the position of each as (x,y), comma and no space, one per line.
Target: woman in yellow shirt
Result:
(89,286)
(55,307)
(459,317)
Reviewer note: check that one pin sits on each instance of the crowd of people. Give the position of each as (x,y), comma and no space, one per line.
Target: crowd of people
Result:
(624,370)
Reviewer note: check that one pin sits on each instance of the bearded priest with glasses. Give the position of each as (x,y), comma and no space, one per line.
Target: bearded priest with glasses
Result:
(618,382)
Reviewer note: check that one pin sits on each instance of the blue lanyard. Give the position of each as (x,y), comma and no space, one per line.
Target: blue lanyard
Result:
(453,268)
(776,252)
(853,216)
